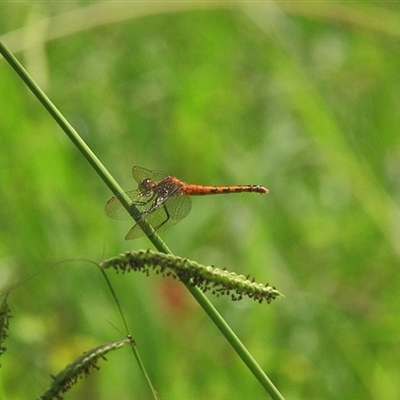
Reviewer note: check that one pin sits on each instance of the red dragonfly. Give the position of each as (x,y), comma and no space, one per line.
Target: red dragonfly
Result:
(163,200)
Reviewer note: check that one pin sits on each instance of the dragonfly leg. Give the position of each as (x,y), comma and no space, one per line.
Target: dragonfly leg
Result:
(166,219)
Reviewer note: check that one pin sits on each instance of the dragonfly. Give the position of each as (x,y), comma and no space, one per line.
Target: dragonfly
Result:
(163,200)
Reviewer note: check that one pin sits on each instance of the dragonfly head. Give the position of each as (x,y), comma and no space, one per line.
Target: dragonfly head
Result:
(145,186)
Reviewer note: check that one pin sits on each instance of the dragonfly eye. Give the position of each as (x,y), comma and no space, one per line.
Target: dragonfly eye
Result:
(145,185)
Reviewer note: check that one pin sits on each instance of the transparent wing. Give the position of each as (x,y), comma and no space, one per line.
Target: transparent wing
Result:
(114,209)
(178,207)
(169,213)
(140,173)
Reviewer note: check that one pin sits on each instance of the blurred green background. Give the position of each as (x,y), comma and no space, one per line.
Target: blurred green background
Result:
(303,98)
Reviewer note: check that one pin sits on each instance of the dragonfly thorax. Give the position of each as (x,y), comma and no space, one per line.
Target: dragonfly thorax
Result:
(146,186)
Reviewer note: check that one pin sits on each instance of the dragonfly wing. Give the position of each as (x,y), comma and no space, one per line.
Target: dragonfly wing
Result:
(134,233)
(156,219)
(114,208)
(169,213)
(140,173)
(178,207)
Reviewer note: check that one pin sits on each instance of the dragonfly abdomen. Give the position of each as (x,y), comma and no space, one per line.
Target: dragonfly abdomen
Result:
(199,190)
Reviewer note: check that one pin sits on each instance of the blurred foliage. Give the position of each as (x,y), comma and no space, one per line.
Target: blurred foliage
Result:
(301,98)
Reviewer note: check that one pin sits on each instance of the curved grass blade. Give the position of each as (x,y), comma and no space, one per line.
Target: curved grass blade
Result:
(134,349)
